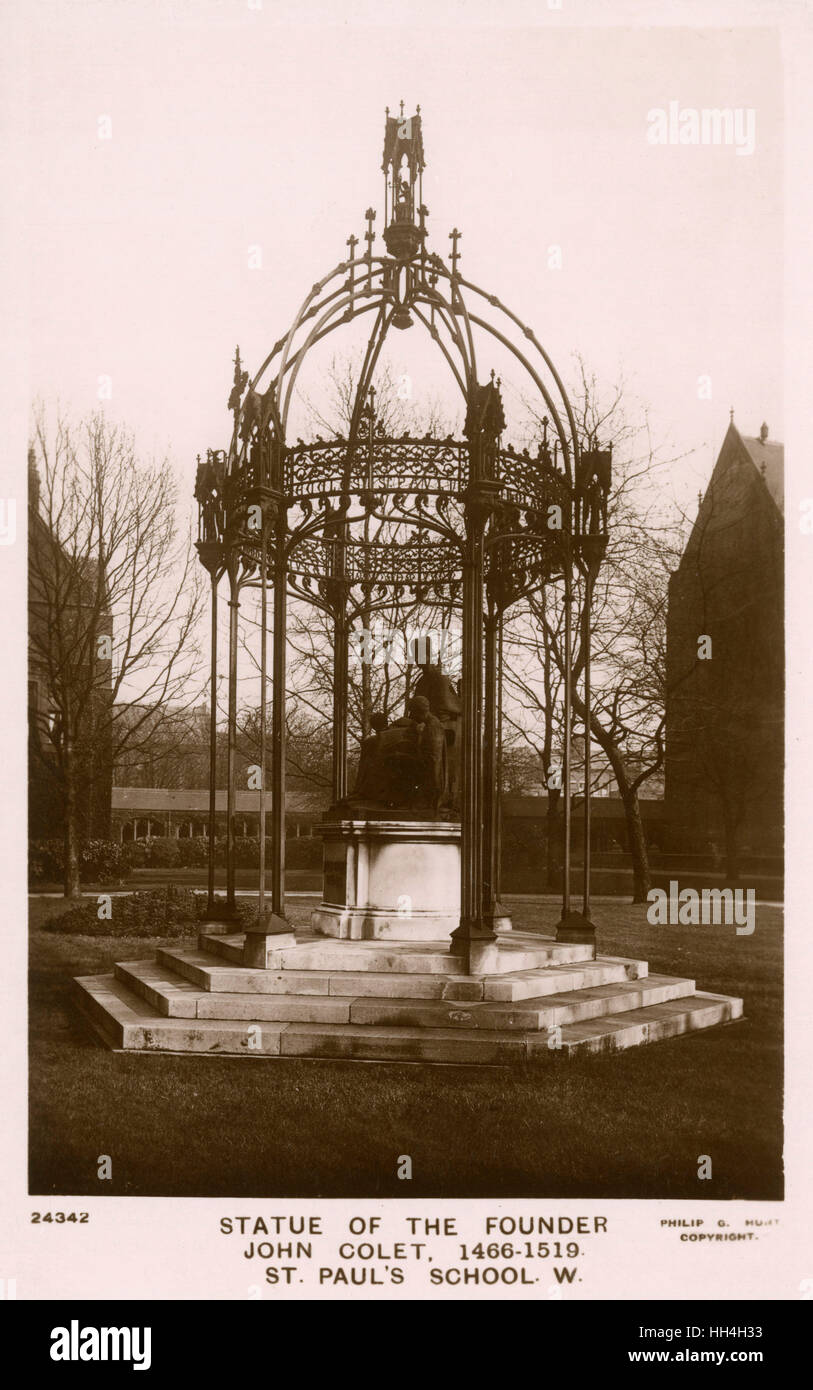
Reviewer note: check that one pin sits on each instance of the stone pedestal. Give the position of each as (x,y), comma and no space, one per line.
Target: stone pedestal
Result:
(396,880)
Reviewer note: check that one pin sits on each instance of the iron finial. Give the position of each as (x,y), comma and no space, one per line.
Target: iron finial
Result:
(238,383)
(369,235)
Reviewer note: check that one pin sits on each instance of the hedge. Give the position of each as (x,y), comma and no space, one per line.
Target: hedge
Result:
(304,853)
(108,861)
(100,861)
(169,911)
(163,853)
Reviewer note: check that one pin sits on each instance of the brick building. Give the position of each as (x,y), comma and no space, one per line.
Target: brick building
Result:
(725,661)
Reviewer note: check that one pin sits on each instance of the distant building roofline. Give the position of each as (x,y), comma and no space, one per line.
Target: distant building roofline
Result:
(155,800)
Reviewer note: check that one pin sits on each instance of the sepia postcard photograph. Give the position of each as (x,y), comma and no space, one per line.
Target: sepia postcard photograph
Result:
(395,527)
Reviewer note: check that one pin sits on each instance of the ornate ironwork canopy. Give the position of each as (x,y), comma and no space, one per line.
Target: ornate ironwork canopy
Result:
(421,483)
(471,522)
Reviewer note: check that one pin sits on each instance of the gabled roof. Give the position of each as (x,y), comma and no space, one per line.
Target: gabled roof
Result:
(769,459)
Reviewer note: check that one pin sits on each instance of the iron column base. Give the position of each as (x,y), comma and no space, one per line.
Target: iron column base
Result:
(264,939)
(477,947)
(576,930)
(220,911)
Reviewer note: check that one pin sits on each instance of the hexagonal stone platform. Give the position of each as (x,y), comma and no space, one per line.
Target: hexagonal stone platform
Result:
(393,1001)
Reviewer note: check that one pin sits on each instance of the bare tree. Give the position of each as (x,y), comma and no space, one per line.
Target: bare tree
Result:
(627,630)
(114,599)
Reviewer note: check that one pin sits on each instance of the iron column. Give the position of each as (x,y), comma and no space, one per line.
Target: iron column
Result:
(231,798)
(210,907)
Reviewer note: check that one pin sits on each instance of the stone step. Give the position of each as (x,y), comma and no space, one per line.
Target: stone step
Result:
(543,1012)
(199,968)
(426,958)
(167,991)
(132,1025)
(203,971)
(228,947)
(484,1048)
(553,979)
(275,1008)
(99,997)
(646,1025)
(125,1020)
(177,997)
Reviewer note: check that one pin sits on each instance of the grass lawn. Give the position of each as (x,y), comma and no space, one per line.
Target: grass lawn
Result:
(632,1125)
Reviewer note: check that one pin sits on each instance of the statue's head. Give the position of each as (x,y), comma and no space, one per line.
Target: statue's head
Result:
(378,723)
(419,709)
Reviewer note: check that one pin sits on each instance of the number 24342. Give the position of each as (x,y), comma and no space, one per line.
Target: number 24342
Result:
(60,1217)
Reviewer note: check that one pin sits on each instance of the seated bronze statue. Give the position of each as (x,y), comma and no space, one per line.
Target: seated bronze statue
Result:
(404,764)
(435,686)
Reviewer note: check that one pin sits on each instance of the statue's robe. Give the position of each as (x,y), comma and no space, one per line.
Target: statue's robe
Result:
(370,777)
(400,759)
(405,765)
(445,703)
(434,761)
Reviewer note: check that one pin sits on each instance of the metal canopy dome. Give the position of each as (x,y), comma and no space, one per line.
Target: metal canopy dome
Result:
(470,522)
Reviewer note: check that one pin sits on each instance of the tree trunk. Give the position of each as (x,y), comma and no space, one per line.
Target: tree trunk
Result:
(641,877)
(553,870)
(71,838)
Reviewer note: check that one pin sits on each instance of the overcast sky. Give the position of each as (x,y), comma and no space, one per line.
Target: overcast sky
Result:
(233,127)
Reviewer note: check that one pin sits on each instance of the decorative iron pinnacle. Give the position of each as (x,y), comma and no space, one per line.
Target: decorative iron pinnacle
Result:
(369,237)
(352,242)
(238,385)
